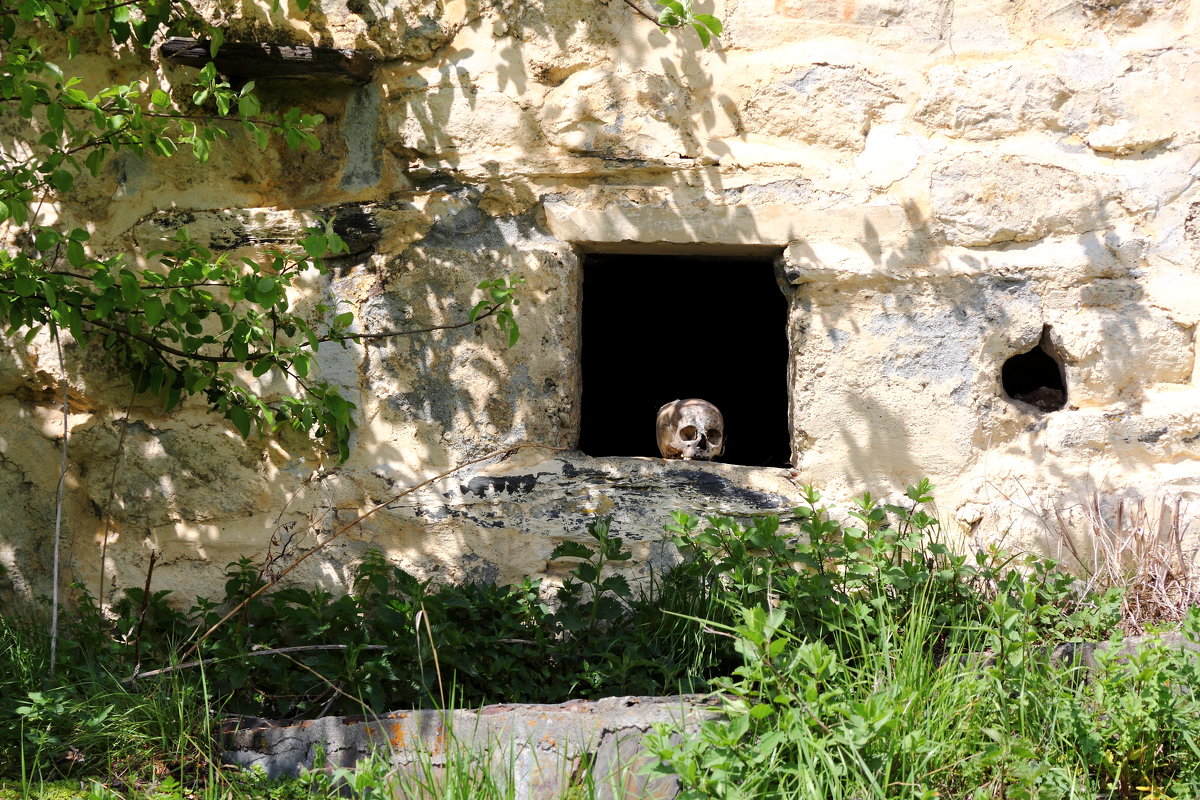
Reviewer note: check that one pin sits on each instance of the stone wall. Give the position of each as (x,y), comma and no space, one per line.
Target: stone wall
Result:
(941,184)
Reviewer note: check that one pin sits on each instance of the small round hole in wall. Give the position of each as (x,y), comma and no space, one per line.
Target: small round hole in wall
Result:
(1035,377)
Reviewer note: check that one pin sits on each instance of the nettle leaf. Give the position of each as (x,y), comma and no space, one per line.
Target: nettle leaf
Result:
(617,584)
(571,550)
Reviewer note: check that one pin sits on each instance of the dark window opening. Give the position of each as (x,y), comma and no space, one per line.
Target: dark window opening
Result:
(661,328)
(1036,377)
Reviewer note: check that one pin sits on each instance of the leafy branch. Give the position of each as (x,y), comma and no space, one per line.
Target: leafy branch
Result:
(195,323)
(677,14)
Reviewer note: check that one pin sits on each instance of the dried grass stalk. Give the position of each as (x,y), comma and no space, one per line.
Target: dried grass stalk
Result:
(1137,545)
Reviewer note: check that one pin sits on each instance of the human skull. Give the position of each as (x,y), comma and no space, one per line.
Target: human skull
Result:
(690,429)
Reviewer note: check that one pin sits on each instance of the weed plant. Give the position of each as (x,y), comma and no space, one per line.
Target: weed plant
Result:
(858,658)
(887,666)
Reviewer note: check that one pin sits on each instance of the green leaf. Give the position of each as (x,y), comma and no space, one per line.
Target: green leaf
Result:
(131,292)
(761,711)
(201,147)
(46,238)
(710,22)
(55,115)
(702,32)
(571,550)
(314,244)
(261,137)
(240,418)
(248,105)
(62,180)
(160,98)
(153,310)
(343,320)
(94,160)
(25,286)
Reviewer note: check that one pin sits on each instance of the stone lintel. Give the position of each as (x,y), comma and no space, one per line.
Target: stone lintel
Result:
(1065,260)
(741,229)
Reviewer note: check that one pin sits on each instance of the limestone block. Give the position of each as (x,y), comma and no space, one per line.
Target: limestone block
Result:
(887,380)
(464,382)
(764,23)
(536,747)
(1142,109)
(29,472)
(392,29)
(502,519)
(1115,353)
(1122,138)
(1139,439)
(169,472)
(889,156)
(983,199)
(439,116)
(826,104)
(615,114)
(611,217)
(992,100)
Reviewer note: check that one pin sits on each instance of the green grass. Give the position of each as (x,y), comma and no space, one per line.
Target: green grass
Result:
(857,659)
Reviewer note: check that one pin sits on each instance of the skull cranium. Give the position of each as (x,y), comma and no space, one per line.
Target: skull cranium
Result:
(690,429)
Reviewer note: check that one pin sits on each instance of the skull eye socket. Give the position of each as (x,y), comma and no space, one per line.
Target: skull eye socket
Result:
(688,433)
(713,435)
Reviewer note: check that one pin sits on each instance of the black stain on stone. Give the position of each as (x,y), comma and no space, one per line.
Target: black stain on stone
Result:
(510,484)
(717,486)
(569,470)
(357,227)
(1153,436)
(480,570)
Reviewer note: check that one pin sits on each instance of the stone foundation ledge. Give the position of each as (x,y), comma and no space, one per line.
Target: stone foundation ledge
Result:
(543,747)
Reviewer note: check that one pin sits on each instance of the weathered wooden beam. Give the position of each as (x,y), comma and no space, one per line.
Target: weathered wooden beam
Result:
(255,60)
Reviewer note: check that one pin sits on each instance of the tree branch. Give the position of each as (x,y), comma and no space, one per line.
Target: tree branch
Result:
(638,10)
(502,454)
(252,654)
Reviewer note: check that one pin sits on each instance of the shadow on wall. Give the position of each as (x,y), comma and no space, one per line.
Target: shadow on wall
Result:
(920,353)
(160,484)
